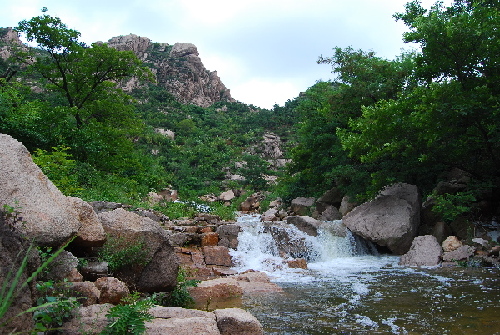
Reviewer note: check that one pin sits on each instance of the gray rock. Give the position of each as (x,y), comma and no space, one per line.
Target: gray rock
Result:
(424,251)
(48,215)
(160,273)
(461,253)
(228,235)
(306,224)
(232,321)
(302,206)
(182,326)
(391,219)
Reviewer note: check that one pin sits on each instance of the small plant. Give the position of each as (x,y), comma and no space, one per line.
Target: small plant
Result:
(11,215)
(12,284)
(129,317)
(54,307)
(180,296)
(120,253)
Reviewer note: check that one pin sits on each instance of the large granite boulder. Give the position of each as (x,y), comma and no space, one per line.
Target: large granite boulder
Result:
(424,251)
(306,224)
(48,217)
(160,272)
(390,220)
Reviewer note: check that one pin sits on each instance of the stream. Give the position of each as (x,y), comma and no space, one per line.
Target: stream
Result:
(349,289)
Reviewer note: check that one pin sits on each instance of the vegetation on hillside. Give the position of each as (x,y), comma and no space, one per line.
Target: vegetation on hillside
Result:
(411,119)
(377,121)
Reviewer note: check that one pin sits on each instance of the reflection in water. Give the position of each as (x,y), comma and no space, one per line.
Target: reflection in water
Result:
(349,294)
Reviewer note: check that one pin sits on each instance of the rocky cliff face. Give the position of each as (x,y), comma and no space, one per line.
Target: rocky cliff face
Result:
(178,68)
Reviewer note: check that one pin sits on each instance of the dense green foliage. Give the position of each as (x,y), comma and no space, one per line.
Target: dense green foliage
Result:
(411,119)
(377,121)
(99,143)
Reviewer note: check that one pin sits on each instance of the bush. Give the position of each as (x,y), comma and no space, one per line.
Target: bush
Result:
(120,253)
(129,317)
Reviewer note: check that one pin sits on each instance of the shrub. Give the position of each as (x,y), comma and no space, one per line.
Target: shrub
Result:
(120,253)
(129,317)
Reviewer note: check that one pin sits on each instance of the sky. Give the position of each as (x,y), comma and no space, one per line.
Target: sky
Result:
(264,51)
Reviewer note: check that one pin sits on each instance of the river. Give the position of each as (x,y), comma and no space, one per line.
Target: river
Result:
(349,289)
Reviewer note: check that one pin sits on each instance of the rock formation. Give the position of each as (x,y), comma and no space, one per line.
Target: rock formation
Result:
(47,215)
(178,68)
(390,220)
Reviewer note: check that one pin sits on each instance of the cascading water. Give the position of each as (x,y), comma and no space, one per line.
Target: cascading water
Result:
(348,289)
(268,246)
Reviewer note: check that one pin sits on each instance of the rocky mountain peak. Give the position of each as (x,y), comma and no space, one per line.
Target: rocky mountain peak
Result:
(131,42)
(178,68)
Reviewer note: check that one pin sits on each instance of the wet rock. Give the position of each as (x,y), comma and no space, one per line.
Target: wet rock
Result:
(424,251)
(288,242)
(217,255)
(298,263)
(306,224)
(233,321)
(228,235)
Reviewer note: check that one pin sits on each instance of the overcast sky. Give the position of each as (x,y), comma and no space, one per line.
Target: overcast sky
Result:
(265,51)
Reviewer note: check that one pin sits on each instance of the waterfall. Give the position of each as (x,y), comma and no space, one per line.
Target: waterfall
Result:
(267,246)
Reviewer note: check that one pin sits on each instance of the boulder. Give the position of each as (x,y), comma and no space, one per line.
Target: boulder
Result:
(347,205)
(424,251)
(270,215)
(331,197)
(227,196)
(112,290)
(302,206)
(91,233)
(87,320)
(182,326)
(390,220)
(233,321)
(289,243)
(61,267)
(228,235)
(451,243)
(217,255)
(86,292)
(306,224)
(329,213)
(297,263)
(461,253)
(160,272)
(47,215)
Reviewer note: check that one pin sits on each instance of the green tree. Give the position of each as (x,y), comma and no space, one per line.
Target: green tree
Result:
(451,119)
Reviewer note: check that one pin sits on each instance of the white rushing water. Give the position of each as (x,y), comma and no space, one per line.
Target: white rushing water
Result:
(347,287)
(334,253)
